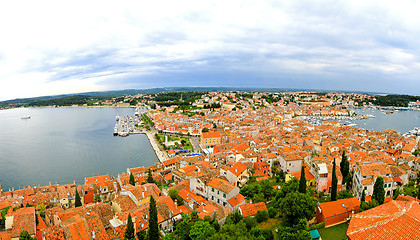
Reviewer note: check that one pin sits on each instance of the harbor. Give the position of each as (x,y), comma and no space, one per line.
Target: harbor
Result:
(127,125)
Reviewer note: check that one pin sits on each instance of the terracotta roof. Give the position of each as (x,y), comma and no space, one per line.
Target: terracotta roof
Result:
(238,168)
(187,196)
(90,180)
(125,203)
(236,200)
(308,174)
(250,209)
(24,219)
(221,185)
(211,135)
(6,235)
(395,220)
(330,209)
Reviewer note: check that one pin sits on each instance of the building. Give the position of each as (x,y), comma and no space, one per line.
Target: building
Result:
(250,209)
(220,191)
(210,139)
(290,162)
(365,175)
(391,220)
(336,212)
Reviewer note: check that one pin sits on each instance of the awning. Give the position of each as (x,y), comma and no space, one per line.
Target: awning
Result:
(397,179)
(314,234)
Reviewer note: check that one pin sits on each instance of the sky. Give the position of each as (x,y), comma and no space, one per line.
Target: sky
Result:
(58,47)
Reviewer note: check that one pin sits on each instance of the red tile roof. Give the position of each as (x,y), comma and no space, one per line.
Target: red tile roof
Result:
(236,200)
(238,168)
(211,135)
(392,220)
(329,209)
(250,209)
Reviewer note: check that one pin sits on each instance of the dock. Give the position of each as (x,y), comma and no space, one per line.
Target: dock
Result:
(127,125)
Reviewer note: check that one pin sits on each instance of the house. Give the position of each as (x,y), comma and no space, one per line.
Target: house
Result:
(261,169)
(123,203)
(336,212)
(290,162)
(391,220)
(238,174)
(310,179)
(250,209)
(236,201)
(210,139)
(365,175)
(22,219)
(214,211)
(191,200)
(221,191)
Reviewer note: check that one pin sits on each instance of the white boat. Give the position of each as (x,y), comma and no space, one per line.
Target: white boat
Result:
(26,117)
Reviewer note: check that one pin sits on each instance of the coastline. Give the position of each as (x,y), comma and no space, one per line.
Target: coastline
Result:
(161,155)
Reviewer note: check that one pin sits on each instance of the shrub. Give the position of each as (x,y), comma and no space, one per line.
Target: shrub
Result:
(316,226)
(261,216)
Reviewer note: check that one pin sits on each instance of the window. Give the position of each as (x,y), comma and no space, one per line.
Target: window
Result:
(365,188)
(212,197)
(218,192)
(218,201)
(212,189)
(224,195)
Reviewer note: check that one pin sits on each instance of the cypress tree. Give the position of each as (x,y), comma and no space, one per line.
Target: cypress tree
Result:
(302,181)
(334,184)
(77,201)
(345,168)
(153,233)
(149,177)
(379,190)
(363,196)
(132,182)
(129,231)
(343,159)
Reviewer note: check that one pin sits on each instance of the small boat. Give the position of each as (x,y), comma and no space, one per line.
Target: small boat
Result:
(26,117)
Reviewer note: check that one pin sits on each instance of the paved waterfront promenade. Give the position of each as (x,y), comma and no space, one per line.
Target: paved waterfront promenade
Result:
(159,153)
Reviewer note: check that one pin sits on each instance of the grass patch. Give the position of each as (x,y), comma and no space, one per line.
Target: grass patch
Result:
(270,223)
(336,232)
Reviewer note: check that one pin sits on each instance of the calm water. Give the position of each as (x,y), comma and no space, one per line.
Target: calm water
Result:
(402,121)
(65,145)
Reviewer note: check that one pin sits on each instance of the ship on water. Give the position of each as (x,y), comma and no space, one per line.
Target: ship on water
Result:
(25,117)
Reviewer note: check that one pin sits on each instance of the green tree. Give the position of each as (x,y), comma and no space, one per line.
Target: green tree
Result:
(173,193)
(234,218)
(379,190)
(129,230)
(97,198)
(153,233)
(205,130)
(296,206)
(297,231)
(201,230)
(344,194)
(363,196)
(132,181)
(24,235)
(149,177)
(41,210)
(77,201)
(250,222)
(368,205)
(334,184)
(345,168)
(302,181)
(261,216)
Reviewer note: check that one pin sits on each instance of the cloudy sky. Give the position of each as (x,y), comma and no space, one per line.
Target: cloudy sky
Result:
(51,47)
